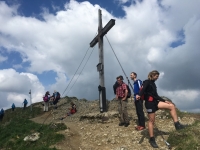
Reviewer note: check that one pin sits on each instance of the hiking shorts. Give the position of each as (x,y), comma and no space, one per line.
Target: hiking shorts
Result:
(151,107)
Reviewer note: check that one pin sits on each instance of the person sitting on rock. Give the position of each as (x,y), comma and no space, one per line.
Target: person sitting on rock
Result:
(71,112)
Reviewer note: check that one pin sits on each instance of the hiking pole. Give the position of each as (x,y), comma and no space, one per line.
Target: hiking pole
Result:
(44,121)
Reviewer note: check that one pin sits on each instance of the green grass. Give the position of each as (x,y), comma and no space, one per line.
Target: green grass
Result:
(16,126)
(186,139)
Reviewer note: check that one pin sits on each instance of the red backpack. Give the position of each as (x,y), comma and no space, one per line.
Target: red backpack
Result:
(141,97)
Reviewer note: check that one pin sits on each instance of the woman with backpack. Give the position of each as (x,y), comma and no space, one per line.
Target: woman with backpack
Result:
(153,102)
(46,101)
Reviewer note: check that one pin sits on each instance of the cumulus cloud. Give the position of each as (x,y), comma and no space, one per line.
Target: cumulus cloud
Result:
(122,1)
(2,58)
(141,39)
(15,87)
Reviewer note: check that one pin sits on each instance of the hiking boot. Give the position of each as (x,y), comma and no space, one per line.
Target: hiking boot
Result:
(179,126)
(121,123)
(153,142)
(126,124)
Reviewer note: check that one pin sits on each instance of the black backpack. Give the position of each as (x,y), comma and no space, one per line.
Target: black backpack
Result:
(58,95)
(115,87)
(129,91)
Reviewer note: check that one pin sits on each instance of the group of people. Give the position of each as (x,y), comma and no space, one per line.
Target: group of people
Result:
(143,91)
(54,100)
(47,98)
(2,112)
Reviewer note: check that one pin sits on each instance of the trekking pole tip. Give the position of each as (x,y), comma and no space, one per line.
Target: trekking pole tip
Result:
(168,145)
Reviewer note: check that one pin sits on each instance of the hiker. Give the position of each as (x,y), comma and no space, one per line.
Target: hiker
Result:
(153,102)
(46,101)
(71,112)
(25,103)
(121,96)
(139,102)
(13,107)
(1,114)
(56,97)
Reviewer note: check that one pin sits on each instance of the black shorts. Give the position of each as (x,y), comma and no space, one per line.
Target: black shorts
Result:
(151,107)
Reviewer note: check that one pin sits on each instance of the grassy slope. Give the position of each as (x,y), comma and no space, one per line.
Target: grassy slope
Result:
(189,138)
(16,125)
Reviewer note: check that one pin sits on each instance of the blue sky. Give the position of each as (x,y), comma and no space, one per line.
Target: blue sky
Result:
(42,43)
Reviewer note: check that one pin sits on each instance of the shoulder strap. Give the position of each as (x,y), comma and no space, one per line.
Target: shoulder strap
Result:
(139,84)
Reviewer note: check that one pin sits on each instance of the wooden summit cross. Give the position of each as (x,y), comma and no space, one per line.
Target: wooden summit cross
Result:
(100,65)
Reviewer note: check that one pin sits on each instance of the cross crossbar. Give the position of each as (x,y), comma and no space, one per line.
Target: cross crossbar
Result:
(104,31)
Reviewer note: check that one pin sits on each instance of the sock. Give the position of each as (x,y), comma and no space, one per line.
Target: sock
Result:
(152,139)
(175,123)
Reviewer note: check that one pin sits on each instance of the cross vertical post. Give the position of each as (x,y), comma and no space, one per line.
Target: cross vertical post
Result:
(100,65)
(30,100)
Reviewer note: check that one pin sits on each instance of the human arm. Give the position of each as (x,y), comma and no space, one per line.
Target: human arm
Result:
(126,92)
(160,98)
(142,91)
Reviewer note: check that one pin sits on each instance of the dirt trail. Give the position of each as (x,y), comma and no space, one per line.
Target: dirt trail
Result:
(72,137)
(45,118)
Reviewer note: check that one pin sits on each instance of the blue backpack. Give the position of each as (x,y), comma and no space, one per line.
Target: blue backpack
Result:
(13,105)
(25,101)
(2,111)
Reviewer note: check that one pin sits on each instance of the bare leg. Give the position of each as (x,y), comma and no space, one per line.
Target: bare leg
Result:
(171,107)
(151,123)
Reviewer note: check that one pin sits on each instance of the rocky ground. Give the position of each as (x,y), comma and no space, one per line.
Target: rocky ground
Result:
(89,129)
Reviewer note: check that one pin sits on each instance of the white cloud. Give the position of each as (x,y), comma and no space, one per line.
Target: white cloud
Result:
(122,1)
(2,58)
(15,86)
(18,66)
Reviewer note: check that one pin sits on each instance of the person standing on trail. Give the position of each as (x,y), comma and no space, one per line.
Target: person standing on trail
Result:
(153,102)
(138,103)
(25,103)
(46,101)
(13,107)
(56,97)
(1,114)
(121,96)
